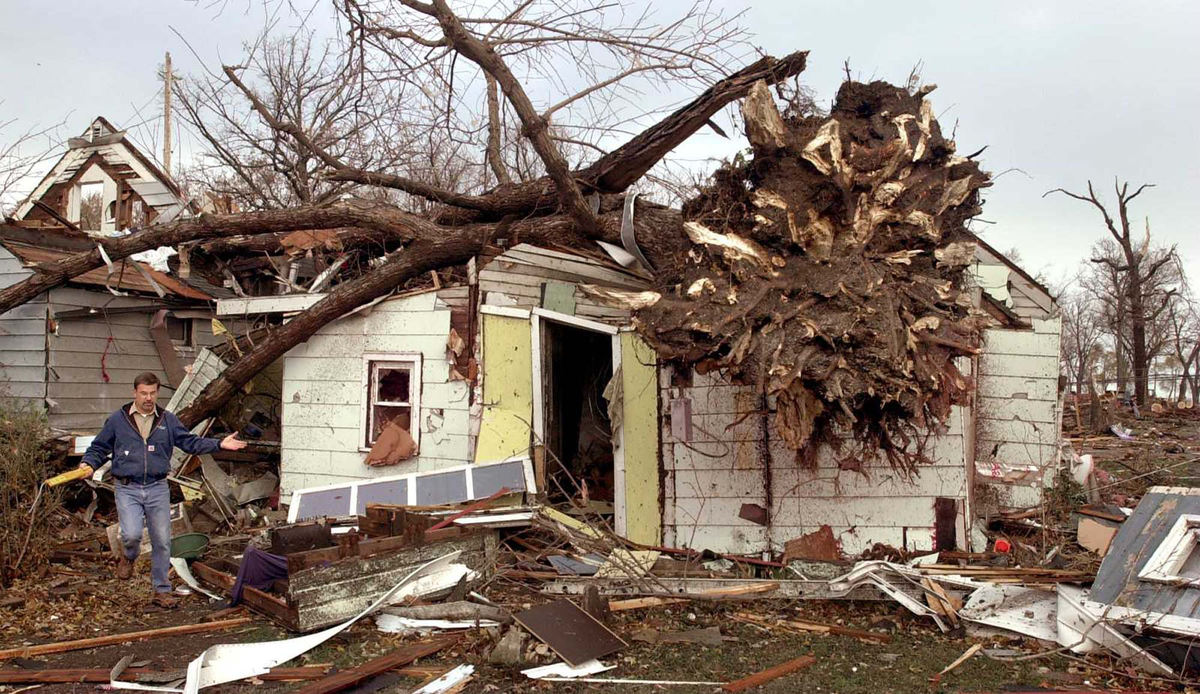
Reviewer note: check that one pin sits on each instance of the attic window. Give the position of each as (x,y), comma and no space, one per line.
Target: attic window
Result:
(1177,558)
(392,394)
(180,331)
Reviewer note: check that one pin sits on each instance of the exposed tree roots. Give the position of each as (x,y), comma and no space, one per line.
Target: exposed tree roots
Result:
(828,270)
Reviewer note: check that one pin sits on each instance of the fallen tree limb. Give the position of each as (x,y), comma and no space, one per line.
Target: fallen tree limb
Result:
(384,220)
(112,639)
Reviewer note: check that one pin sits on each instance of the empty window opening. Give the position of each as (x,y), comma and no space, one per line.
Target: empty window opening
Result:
(576,369)
(391,397)
(91,202)
(180,331)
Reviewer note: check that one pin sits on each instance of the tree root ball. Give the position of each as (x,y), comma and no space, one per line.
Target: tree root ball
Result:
(829,270)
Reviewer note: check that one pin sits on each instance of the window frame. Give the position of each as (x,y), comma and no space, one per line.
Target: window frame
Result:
(1173,551)
(372,362)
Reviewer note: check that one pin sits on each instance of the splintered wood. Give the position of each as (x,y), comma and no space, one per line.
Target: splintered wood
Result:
(830,269)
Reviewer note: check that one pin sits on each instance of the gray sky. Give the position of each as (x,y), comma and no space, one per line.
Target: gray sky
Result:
(1063,91)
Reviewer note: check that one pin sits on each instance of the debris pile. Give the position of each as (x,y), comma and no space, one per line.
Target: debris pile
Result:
(829,270)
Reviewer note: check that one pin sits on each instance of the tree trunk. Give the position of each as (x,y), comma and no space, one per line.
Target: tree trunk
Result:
(1137,335)
(434,248)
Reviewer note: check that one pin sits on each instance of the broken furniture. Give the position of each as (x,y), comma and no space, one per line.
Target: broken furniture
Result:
(330,584)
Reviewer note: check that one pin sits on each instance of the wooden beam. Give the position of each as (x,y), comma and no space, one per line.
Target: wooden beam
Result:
(112,639)
(398,658)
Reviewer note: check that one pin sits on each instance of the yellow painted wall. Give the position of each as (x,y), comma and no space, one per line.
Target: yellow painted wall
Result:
(507,389)
(639,381)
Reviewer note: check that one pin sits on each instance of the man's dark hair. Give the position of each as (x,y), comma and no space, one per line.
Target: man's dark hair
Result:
(145,379)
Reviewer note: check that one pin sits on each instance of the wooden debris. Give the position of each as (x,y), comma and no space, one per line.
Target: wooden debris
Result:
(573,634)
(958,661)
(798,625)
(398,658)
(596,605)
(99,675)
(639,603)
(774,673)
(98,641)
(1096,535)
(940,601)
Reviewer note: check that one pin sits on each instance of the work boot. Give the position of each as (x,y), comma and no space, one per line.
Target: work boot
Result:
(165,600)
(124,568)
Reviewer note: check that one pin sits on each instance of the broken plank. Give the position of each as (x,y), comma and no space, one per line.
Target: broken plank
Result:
(398,658)
(112,639)
(639,603)
(97,675)
(774,673)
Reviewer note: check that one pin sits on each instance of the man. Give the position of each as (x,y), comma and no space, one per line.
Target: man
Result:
(140,437)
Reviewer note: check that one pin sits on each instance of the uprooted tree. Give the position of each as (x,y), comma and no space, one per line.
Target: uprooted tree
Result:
(827,269)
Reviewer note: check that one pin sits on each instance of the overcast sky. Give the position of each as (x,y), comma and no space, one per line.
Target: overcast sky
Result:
(1059,92)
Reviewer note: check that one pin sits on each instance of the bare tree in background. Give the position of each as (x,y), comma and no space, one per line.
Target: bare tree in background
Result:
(1142,277)
(1082,340)
(21,154)
(302,122)
(1183,321)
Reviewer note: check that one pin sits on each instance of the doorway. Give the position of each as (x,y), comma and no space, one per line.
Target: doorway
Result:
(573,422)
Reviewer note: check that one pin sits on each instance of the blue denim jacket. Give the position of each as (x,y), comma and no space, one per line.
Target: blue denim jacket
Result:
(144,460)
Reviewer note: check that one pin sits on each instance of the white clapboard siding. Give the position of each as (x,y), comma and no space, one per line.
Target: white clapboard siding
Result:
(323,390)
(711,476)
(1029,301)
(81,398)
(22,340)
(1019,416)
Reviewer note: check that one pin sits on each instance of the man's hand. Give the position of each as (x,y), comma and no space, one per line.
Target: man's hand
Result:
(231,443)
(89,467)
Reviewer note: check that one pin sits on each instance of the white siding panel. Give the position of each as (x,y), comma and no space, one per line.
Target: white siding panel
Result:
(323,390)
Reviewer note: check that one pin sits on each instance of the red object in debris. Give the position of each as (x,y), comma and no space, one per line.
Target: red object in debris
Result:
(1002,546)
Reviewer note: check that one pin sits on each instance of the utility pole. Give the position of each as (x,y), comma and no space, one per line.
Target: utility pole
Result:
(167,79)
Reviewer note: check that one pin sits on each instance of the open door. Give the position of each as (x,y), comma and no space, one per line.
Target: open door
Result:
(595,413)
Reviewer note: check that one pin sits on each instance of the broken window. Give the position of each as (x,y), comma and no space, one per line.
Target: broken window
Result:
(1176,560)
(392,393)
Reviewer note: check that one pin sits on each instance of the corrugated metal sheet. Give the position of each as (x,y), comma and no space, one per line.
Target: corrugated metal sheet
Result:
(1117,580)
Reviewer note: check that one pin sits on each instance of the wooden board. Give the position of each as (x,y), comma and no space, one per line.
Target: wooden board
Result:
(398,658)
(573,634)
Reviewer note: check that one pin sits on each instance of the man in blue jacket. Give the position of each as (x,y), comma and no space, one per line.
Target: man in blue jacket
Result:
(140,437)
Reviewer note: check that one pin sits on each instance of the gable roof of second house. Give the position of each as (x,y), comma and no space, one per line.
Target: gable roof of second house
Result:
(103,144)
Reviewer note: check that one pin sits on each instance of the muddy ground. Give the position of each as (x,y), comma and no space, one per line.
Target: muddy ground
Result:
(1166,450)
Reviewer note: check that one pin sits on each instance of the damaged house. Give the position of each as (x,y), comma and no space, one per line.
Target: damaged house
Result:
(76,348)
(530,362)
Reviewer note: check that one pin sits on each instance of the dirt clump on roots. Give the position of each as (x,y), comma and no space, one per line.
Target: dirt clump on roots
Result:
(829,270)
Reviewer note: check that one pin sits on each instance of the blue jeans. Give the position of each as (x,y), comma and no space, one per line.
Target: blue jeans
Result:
(147,506)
